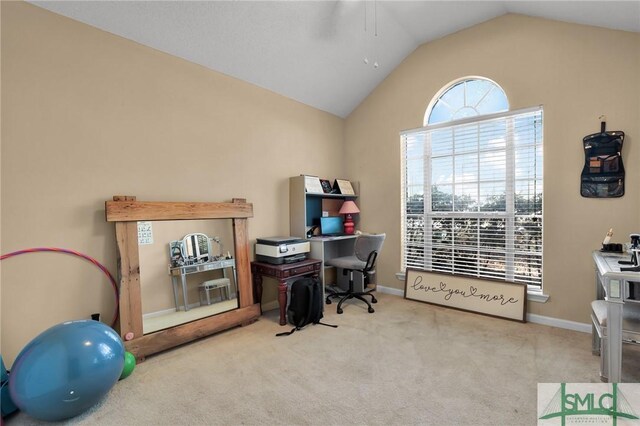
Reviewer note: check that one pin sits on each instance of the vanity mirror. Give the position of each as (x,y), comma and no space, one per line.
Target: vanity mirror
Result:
(125,211)
(196,248)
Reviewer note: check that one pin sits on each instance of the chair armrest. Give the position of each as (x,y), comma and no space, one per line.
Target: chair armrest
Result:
(371,261)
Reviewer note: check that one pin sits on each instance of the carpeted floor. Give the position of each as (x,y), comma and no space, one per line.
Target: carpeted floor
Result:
(408,363)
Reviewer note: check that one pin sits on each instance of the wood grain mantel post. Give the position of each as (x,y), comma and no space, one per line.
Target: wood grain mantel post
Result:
(126,211)
(241,243)
(128,275)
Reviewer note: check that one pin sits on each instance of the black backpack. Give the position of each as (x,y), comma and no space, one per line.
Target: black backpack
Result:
(305,304)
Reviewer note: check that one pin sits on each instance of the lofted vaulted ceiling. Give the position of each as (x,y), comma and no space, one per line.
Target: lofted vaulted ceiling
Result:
(315,51)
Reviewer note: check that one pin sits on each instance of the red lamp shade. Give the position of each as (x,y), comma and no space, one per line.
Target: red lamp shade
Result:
(348,208)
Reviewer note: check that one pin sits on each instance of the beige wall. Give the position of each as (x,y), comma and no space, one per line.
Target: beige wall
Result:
(87,115)
(577,73)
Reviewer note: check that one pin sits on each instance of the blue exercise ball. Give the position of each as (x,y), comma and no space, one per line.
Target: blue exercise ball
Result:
(66,369)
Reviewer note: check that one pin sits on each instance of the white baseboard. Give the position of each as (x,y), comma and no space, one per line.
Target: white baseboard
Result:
(166,311)
(268,306)
(560,323)
(534,318)
(158,313)
(390,290)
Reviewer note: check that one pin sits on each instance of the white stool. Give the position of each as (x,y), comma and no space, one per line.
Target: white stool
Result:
(218,284)
(630,330)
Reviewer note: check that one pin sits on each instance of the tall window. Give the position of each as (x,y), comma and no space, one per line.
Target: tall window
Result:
(472,186)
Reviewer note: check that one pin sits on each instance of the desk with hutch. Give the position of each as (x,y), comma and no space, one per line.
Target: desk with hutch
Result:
(305,211)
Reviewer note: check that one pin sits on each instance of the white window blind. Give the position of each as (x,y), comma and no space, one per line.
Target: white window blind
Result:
(472,197)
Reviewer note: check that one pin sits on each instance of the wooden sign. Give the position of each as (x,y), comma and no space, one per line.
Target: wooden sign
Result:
(485,296)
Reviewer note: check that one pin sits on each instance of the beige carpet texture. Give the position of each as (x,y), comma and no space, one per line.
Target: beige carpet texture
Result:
(407,363)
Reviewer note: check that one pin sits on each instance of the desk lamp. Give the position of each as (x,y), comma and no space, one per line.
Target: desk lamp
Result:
(348,208)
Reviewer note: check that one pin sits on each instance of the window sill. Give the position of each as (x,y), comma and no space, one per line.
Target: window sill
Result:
(532,296)
(537,296)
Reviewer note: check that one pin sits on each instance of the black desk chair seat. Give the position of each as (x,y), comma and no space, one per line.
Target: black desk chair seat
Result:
(363,260)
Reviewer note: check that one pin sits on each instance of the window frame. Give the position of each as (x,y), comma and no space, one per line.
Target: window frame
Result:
(451,85)
(510,194)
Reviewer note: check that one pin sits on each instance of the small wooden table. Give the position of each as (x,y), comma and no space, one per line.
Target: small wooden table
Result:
(282,273)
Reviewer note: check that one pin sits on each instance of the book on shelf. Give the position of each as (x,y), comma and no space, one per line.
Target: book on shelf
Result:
(326,186)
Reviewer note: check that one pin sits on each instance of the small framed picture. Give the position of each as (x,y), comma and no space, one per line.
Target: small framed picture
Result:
(326,186)
(344,186)
(312,185)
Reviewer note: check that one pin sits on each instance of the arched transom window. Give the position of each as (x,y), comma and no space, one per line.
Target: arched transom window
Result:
(468,97)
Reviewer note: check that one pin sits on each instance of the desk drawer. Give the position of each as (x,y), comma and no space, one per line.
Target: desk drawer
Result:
(285,271)
(266,270)
(300,270)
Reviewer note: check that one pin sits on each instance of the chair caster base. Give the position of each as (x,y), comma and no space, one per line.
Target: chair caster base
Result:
(374,300)
(328,302)
(371,310)
(340,311)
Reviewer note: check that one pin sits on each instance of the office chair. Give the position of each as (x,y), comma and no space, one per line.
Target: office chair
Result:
(366,249)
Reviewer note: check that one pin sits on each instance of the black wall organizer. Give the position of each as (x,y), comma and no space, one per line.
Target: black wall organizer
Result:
(603,171)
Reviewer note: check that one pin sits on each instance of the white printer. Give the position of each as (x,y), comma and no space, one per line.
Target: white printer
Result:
(279,250)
